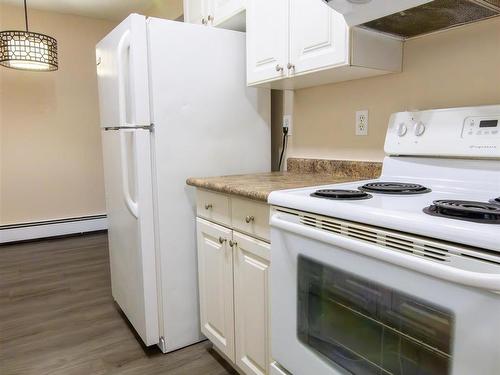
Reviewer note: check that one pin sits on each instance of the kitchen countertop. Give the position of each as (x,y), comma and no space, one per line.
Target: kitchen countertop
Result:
(302,173)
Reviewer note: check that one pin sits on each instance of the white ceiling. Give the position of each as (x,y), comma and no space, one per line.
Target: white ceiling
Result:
(107,9)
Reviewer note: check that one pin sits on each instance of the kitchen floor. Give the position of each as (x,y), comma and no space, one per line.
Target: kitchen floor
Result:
(57,317)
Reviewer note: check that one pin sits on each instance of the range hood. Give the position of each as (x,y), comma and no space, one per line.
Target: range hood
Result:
(409,18)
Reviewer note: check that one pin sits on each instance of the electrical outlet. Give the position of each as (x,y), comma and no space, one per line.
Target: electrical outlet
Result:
(288,123)
(362,122)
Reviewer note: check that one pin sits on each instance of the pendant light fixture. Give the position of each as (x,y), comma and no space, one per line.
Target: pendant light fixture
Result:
(27,50)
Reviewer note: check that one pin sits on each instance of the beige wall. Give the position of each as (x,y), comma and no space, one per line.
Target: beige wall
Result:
(50,152)
(169,9)
(454,68)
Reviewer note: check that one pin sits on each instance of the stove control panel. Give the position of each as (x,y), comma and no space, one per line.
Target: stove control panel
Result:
(484,127)
(456,132)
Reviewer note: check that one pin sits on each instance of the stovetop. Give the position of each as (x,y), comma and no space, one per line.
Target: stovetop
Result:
(405,212)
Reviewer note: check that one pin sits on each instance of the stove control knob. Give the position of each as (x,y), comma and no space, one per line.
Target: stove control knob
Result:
(402,129)
(419,128)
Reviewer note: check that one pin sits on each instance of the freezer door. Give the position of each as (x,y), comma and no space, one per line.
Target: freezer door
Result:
(357,12)
(129,200)
(122,74)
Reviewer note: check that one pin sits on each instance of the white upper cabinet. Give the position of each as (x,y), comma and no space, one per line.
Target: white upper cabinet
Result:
(313,45)
(228,14)
(318,45)
(195,11)
(267,39)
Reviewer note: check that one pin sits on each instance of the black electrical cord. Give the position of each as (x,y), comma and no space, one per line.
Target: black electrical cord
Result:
(283,147)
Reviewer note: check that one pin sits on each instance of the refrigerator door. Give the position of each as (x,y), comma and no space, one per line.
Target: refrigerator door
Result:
(357,12)
(122,72)
(129,201)
(207,123)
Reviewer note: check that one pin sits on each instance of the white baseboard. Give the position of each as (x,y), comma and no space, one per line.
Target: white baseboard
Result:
(52,228)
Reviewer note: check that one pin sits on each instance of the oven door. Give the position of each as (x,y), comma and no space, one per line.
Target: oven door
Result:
(337,307)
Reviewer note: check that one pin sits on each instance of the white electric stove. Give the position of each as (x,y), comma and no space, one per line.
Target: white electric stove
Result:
(398,275)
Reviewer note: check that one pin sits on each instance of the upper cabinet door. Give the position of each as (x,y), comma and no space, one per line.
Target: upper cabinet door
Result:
(267,39)
(318,37)
(195,11)
(222,10)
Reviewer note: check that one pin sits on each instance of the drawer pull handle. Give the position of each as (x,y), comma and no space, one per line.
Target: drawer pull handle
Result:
(222,240)
(233,243)
(249,219)
(208,206)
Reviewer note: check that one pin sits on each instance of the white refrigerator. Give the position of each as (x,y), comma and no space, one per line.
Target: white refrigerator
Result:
(173,104)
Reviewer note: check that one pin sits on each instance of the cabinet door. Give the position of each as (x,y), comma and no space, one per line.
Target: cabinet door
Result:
(251,273)
(222,10)
(195,11)
(215,272)
(318,36)
(267,39)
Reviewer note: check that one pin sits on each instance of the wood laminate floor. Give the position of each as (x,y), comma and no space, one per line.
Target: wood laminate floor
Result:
(57,317)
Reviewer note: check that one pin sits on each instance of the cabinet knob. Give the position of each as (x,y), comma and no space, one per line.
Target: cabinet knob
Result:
(233,243)
(290,66)
(222,240)
(204,21)
(210,17)
(208,206)
(279,68)
(249,219)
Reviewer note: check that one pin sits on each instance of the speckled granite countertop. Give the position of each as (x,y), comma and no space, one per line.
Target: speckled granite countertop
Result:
(301,173)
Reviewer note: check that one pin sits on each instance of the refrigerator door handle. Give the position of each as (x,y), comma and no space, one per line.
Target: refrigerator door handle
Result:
(123,45)
(132,205)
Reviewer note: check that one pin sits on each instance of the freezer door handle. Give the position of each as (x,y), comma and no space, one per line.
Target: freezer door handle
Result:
(123,45)
(132,205)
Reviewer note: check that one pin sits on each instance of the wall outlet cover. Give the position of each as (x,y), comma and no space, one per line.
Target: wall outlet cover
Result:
(362,122)
(288,123)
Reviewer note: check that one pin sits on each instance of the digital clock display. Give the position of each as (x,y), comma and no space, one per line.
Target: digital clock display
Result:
(488,124)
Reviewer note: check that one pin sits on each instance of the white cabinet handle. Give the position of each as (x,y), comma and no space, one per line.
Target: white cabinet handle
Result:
(290,66)
(222,240)
(210,17)
(279,68)
(204,21)
(233,243)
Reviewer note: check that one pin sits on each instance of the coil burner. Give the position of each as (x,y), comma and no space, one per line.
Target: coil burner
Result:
(397,188)
(479,212)
(338,194)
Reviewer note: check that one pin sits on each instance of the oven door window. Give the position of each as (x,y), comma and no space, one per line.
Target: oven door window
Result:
(367,328)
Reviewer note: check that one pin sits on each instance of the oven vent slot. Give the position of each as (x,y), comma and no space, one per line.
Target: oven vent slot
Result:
(395,241)
(457,255)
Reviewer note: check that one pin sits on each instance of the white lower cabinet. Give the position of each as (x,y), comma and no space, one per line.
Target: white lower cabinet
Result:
(215,274)
(251,274)
(233,272)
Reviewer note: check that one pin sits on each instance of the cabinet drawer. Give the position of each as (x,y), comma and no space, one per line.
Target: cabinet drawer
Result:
(251,217)
(213,206)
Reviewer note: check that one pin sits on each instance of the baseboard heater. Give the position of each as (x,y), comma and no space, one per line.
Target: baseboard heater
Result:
(52,228)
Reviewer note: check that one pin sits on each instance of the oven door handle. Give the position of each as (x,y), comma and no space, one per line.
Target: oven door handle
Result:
(487,281)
